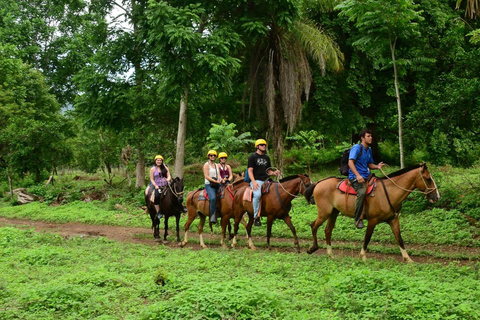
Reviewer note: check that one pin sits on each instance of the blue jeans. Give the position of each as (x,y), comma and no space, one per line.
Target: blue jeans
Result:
(257,194)
(212,196)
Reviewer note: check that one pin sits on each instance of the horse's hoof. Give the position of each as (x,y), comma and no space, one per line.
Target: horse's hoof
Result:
(183,244)
(203,246)
(408,260)
(165,241)
(158,240)
(224,246)
(312,249)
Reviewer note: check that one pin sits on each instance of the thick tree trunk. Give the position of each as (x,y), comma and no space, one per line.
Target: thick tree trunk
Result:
(181,135)
(140,170)
(399,106)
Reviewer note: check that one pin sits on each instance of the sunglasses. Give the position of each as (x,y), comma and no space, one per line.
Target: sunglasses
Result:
(262,144)
(222,158)
(212,155)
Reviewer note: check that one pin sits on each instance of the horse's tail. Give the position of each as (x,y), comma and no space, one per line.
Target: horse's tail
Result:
(309,192)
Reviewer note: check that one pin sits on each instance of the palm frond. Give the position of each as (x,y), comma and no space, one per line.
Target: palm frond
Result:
(319,45)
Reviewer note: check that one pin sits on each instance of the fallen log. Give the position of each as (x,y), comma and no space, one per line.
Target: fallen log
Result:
(24,197)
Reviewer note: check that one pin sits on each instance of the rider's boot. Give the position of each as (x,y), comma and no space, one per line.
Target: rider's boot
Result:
(213,218)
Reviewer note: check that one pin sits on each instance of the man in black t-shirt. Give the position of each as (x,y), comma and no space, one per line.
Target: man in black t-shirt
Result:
(259,169)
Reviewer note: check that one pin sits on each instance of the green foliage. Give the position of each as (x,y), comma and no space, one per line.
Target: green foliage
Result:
(33,132)
(222,138)
(98,278)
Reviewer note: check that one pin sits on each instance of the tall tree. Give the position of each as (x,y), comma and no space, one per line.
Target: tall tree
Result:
(195,43)
(382,23)
(117,88)
(33,132)
(282,40)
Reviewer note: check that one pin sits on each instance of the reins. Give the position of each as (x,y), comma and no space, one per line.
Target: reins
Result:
(299,188)
(427,189)
(177,194)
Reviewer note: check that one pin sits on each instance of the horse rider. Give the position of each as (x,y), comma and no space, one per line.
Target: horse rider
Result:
(225,170)
(259,170)
(360,161)
(211,173)
(159,178)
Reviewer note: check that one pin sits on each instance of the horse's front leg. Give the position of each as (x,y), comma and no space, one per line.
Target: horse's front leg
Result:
(166,229)
(368,235)
(395,226)
(269,230)
(177,220)
(225,223)
(288,221)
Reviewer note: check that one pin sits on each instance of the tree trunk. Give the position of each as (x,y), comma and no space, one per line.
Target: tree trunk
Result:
(10,185)
(399,106)
(140,170)
(181,135)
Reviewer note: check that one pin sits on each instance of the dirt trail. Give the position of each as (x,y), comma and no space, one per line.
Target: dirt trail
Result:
(144,236)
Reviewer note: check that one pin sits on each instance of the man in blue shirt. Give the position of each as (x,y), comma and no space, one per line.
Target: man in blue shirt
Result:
(360,161)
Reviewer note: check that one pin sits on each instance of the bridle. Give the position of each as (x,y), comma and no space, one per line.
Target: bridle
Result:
(301,183)
(427,190)
(174,192)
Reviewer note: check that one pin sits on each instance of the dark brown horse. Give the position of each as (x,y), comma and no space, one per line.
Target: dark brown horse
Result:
(384,206)
(275,204)
(170,205)
(200,207)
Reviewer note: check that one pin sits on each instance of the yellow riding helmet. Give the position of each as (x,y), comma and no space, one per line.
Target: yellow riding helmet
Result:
(260,141)
(159,157)
(211,152)
(222,155)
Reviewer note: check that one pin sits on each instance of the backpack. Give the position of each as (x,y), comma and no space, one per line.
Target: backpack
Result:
(246,177)
(344,161)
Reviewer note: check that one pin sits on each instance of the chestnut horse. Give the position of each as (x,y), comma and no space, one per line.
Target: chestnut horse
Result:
(170,205)
(275,204)
(202,208)
(384,206)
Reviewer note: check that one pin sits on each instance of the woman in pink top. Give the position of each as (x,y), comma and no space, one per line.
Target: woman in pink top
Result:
(224,169)
(159,177)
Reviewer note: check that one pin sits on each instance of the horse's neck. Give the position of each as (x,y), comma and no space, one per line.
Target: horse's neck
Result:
(291,187)
(401,186)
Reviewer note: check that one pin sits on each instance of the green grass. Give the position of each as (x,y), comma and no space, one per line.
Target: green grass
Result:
(45,276)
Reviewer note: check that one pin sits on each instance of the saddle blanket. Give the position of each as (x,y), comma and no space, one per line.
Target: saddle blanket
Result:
(248,194)
(345,187)
(203,196)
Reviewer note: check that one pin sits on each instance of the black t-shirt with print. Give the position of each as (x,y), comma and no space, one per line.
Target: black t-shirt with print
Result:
(260,164)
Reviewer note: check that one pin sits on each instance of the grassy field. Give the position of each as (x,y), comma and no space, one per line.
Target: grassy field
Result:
(45,276)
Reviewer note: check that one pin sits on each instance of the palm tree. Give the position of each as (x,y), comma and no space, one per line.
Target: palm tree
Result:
(472,9)
(279,71)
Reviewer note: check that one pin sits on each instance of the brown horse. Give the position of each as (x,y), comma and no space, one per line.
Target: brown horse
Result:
(200,207)
(275,204)
(384,206)
(170,205)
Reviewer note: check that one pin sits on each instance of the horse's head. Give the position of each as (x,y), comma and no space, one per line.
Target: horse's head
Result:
(177,188)
(427,185)
(305,182)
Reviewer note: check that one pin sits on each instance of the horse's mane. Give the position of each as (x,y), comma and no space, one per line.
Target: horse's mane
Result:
(402,171)
(289,178)
(237,181)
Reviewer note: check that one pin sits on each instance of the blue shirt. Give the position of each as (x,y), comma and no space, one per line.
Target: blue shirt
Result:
(362,162)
